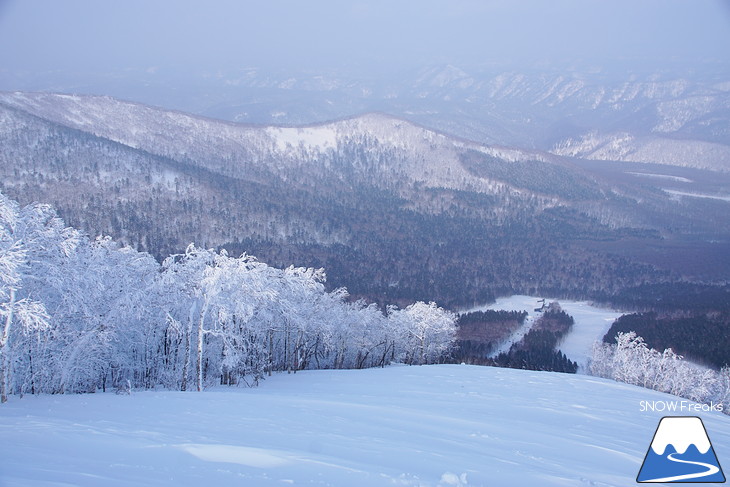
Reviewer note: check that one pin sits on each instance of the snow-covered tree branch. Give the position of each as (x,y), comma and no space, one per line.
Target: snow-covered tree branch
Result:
(630,360)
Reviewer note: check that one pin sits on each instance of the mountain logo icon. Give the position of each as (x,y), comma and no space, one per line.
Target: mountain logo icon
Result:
(680,452)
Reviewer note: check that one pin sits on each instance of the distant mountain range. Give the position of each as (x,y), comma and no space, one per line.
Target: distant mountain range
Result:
(677,117)
(393,210)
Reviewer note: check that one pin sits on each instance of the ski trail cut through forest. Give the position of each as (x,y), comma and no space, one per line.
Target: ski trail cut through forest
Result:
(591,323)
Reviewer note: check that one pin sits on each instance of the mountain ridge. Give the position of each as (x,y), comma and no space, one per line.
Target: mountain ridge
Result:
(531,108)
(171,134)
(393,211)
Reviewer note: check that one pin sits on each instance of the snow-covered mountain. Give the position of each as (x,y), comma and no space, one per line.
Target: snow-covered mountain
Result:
(389,207)
(623,146)
(422,155)
(441,425)
(530,108)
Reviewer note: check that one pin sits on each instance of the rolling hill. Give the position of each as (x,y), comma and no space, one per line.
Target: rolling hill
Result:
(393,210)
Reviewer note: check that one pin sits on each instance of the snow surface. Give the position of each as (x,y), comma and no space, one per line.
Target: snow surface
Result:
(623,146)
(591,323)
(442,425)
(288,138)
(678,179)
(697,195)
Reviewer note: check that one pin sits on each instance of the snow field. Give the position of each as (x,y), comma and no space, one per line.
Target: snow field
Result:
(288,138)
(443,425)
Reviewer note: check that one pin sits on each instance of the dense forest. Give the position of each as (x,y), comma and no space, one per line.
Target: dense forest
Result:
(480,332)
(384,236)
(538,349)
(672,296)
(700,337)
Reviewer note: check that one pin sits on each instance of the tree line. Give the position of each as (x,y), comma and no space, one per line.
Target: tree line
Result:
(81,315)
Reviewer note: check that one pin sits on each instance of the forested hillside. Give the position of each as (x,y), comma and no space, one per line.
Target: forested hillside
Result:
(394,212)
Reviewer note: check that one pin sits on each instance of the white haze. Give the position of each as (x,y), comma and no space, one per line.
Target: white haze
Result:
(49,44)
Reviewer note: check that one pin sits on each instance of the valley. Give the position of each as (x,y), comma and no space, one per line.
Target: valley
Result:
(393,211)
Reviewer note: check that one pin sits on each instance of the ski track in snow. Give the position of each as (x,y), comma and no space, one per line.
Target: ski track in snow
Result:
(440,425)
(515,337)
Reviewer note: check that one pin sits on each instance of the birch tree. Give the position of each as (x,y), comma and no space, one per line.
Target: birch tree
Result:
(19,315)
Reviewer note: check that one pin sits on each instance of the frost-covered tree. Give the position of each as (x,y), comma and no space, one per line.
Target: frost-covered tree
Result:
(233,289)
(630,360)
(80,315)
(723,389)
(244,316)
(20,315)
(121,317)
(425,331)
(301,300)
(181,299)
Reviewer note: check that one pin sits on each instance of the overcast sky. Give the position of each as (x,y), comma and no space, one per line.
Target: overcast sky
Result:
(99,35)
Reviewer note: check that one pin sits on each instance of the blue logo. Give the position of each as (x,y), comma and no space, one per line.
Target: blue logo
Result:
(680,452)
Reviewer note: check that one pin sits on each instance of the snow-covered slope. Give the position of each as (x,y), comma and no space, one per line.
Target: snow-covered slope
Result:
(408,426)
(419,154)
(534,108)
(622,146)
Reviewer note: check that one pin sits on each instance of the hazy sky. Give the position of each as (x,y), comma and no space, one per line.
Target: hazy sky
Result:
(99,35)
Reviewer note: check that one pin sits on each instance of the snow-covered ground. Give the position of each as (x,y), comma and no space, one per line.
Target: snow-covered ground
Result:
(697,195)
(444,425)
(591,323)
